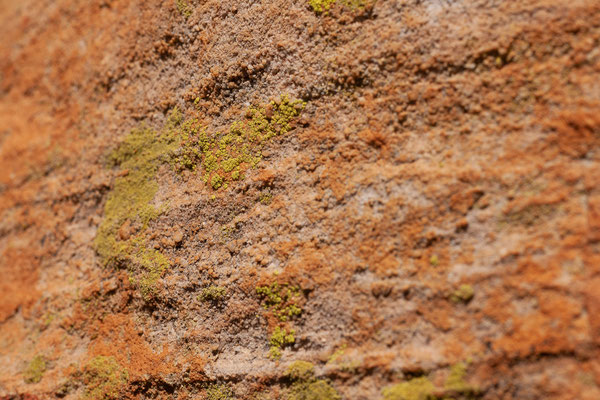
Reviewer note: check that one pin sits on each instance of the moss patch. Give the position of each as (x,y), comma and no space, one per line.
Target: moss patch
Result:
(223,157)
(219,392)
(279,338)
(213,293)
(281,300)
(314,390)
(184,8)
(455,383)
(300,370)
(415,389)
(337,354)
(463,294)
(120,239)
(266,197)
(321,6)
(35,370)
(104,379)
(305,386)
(422,388)
(339,361)
(434,260)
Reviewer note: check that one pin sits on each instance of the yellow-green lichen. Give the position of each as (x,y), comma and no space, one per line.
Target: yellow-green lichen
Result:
(219,392)
(184,8)
(279,338)
(463,294)
(422,388)
(300,370)
(213,293)
(227,232)
(434,260)
(305,386)
(313,390)
(216,182)
(120,240)
(339,361)
(415,389)
(104,379)
(455,382)
(223,157)
(265,197)
(281,300)
(320,6)
(150,265)
(337,354)
(35,370)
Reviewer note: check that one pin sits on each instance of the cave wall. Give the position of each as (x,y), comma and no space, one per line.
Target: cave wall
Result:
(308,199)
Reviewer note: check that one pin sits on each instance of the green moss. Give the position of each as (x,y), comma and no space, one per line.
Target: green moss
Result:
(338,361)
(266,197)
(456,378)
(130,203)
(300,370)
(434,260)
(35,370)
(423,389)
(104,379)
(463,294)
(184,8)
(150,265)
(227,231)
(415,389)
(281,300)
(313,390)
(216,181)
(213,293)
(279,338)
(219,392)
(457,385)
(224,156)
(319,6)
(305,386)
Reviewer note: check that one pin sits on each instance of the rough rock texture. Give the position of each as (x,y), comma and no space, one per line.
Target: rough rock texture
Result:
(429,227)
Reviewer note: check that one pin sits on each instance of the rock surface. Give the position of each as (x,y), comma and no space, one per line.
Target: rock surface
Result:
(429,224)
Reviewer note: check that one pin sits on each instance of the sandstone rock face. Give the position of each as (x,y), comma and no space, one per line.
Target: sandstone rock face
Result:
(308,199)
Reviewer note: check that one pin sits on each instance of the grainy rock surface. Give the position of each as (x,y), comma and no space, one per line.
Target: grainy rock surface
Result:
(428,226)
